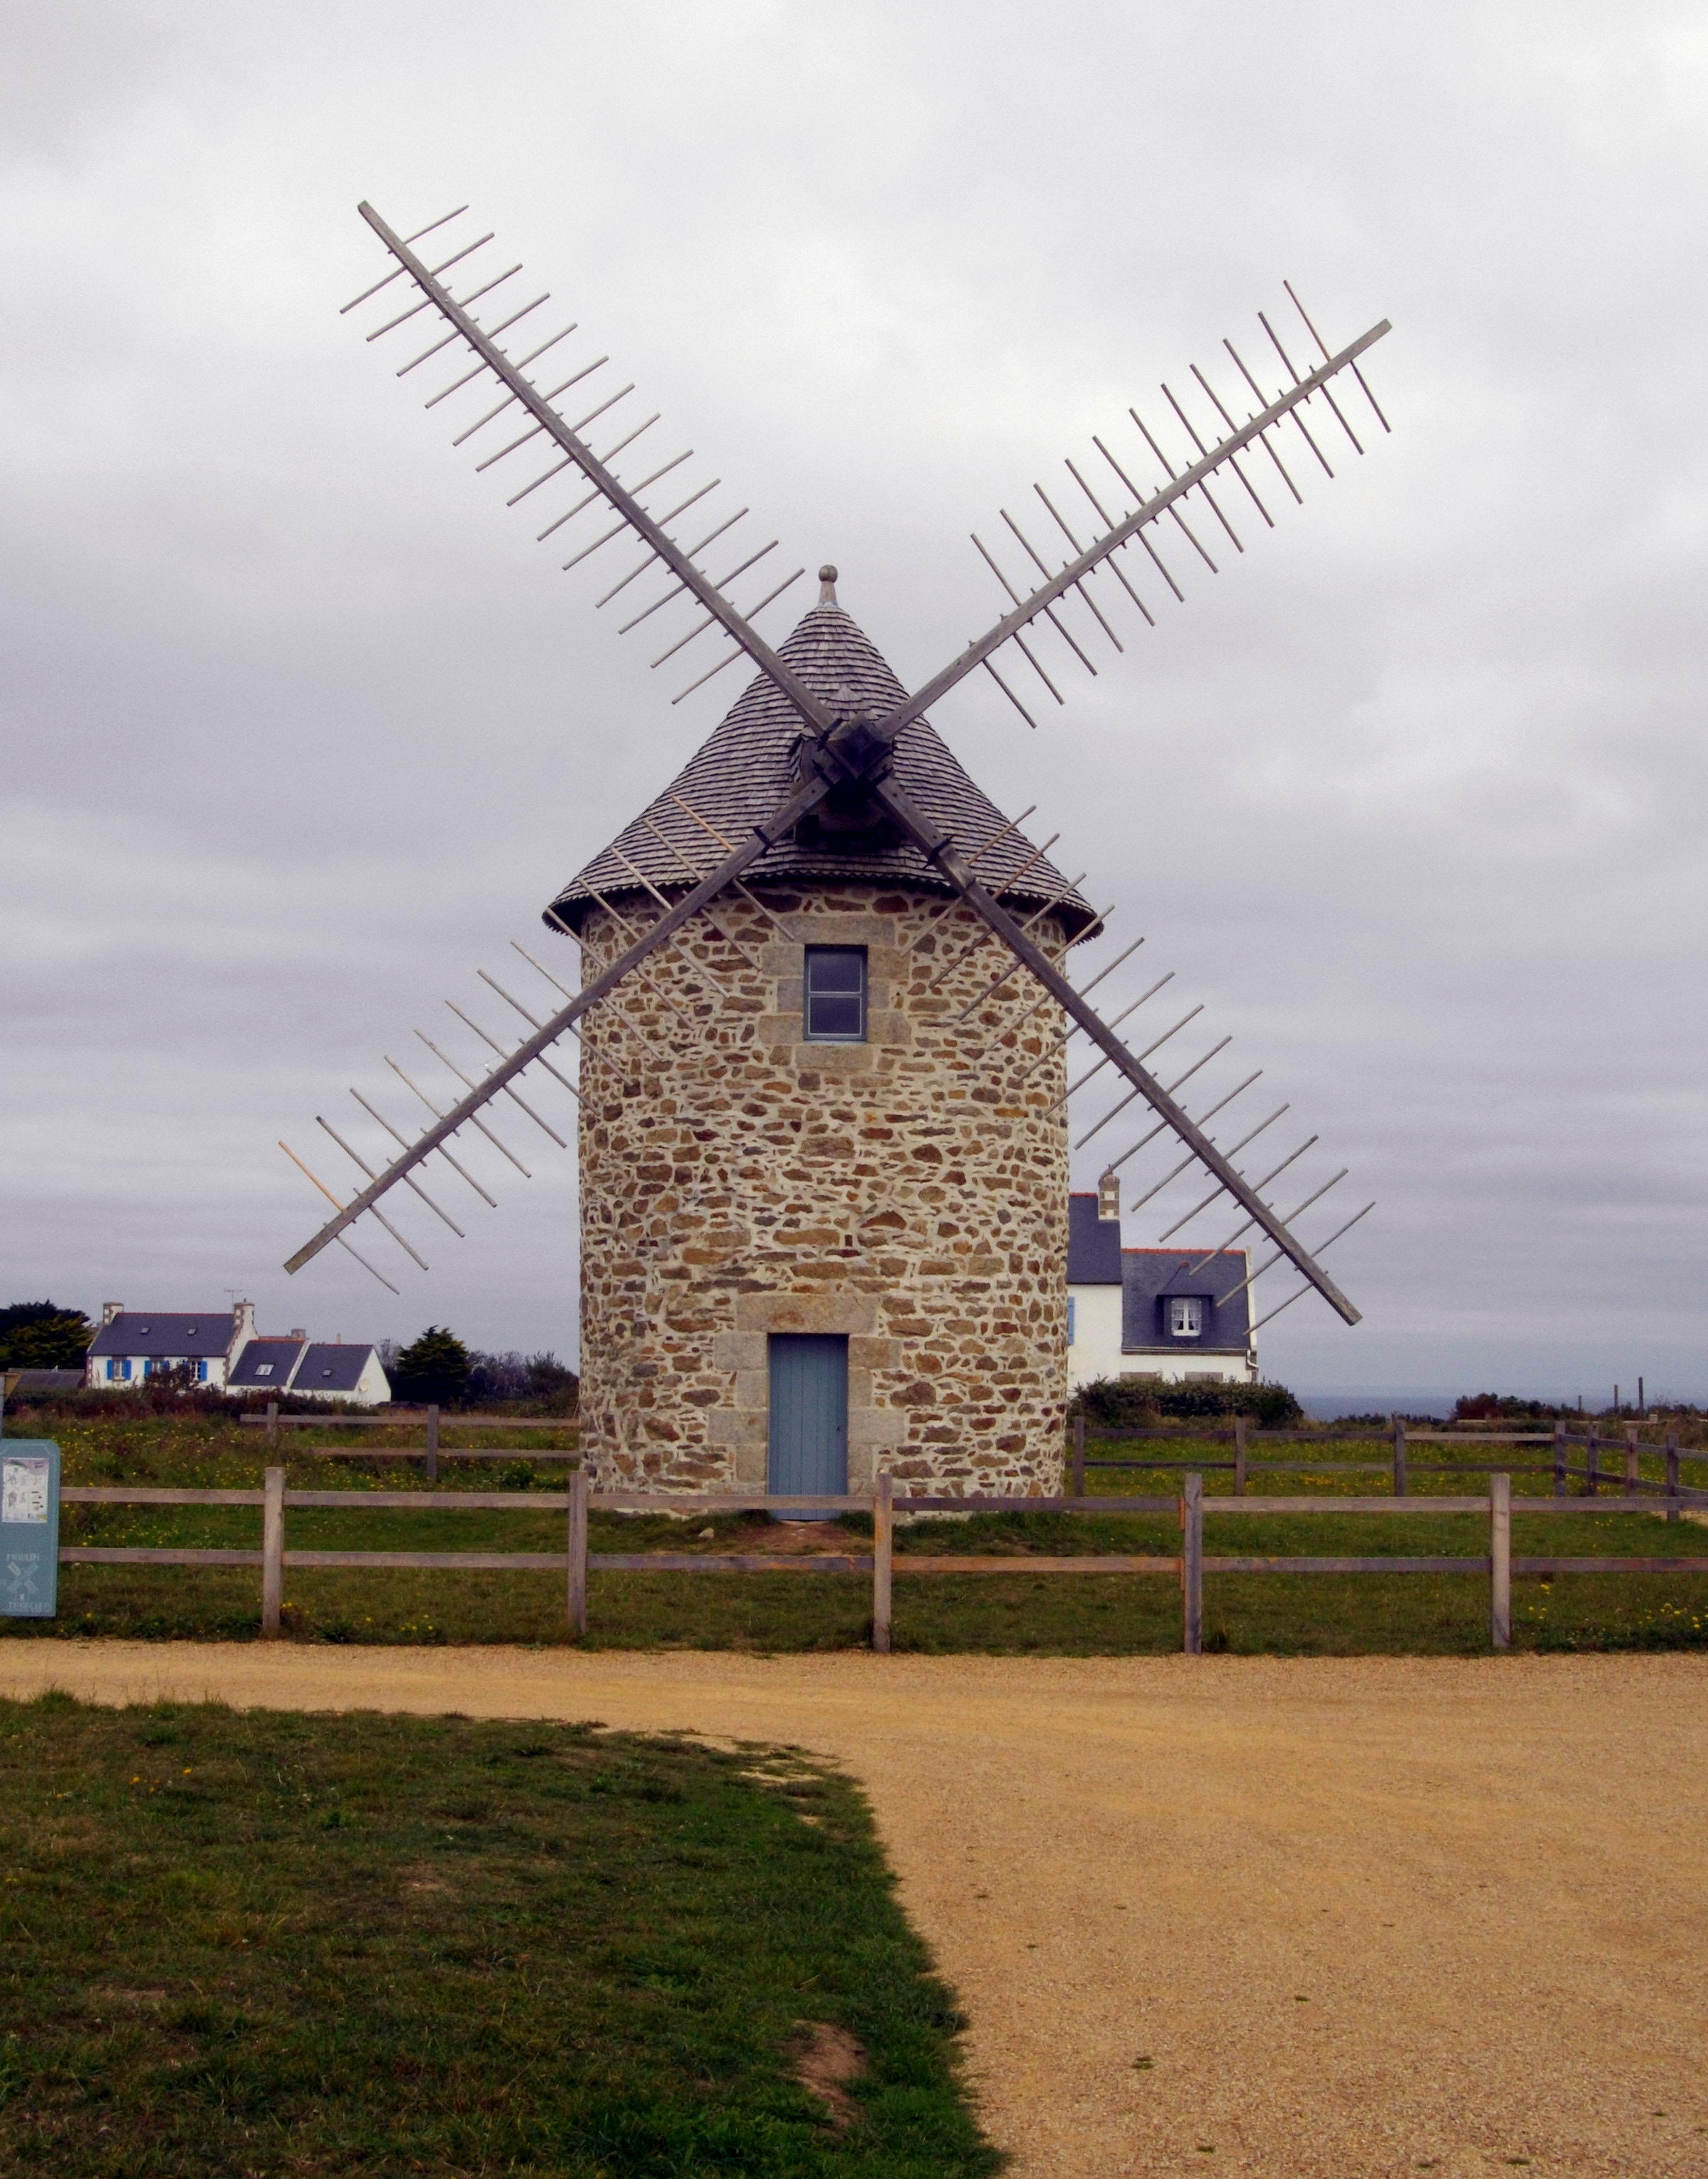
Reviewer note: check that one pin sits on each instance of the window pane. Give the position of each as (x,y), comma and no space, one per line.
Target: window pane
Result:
(830,1014)
(835,971)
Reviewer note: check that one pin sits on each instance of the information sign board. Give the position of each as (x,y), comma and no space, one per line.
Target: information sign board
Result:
(28,1528)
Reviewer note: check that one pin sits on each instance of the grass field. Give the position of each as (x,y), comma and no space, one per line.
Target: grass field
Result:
(1321,1614)
(272,1944)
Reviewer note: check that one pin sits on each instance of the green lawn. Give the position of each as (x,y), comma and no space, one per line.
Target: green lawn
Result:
(1423,1614)
(269,1944)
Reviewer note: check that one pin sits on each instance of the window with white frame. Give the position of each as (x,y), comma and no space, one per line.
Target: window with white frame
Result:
(263,1368)
(1185,1317)
(834,997)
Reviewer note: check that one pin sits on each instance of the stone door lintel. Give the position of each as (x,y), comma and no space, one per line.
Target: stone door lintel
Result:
(855,1315)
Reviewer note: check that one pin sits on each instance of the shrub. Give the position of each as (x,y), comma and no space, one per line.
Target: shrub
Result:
(1130,1403)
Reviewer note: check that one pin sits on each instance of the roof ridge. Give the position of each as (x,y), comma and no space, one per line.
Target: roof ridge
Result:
(1182,1252)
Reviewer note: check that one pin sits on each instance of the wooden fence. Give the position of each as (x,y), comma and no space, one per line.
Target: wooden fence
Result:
(430,1453)
(1189,1564)
(1400,1465)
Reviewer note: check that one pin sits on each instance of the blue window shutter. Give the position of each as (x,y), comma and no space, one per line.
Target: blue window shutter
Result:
(1070,1320)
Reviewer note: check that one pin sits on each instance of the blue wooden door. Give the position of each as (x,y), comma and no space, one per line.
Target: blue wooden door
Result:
(809,1416)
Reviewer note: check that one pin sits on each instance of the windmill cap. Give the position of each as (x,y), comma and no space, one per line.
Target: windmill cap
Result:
(748,766)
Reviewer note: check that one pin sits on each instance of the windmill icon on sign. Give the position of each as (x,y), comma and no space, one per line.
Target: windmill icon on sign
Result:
(823,1012)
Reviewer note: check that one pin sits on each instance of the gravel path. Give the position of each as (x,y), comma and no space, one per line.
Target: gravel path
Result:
(1355,1917)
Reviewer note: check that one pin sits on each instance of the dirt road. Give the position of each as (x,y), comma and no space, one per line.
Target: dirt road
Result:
(1308,1917)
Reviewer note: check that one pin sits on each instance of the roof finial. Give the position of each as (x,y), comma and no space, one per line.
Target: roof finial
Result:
(827,584)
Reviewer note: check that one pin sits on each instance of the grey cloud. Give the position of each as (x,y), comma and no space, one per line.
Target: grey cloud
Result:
(300,727)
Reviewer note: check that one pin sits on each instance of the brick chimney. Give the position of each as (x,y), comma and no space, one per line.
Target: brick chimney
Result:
(109,1309)
(1109,1195)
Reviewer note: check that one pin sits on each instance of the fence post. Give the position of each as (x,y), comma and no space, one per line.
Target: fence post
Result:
(1399,1478)
(1592,1464)
(1632,1475)
(272,1539)
(272,1425)
(1500,1562)
(1078,1456)
(578,1551)
(883,1561)
(1240,1455)
(1672,1474)
(433,1441)
(1192,1565)
(1559,1460)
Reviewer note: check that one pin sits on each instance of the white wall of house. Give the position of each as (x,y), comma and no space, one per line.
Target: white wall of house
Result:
(1171,1365)
(373,1387)
(1095,1349)
(132,1369)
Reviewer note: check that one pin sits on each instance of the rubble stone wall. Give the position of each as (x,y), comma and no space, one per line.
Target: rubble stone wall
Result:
(910,1191)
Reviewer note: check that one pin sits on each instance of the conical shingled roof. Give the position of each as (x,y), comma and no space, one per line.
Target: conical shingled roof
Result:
(740,774)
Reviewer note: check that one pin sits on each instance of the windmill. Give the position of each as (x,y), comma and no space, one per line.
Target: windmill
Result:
(824,1015)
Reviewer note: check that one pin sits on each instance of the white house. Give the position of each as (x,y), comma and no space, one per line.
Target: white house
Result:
(134,1344)
(1166,1315)
(221,1349)
(308,1369)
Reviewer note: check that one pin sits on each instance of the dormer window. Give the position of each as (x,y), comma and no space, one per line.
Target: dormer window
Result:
(833,1002)
(1185,1317)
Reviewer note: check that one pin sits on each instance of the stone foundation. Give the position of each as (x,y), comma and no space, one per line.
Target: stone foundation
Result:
(910,1191)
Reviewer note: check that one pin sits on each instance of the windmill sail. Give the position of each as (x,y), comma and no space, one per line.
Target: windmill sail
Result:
(848,748)
(572,459)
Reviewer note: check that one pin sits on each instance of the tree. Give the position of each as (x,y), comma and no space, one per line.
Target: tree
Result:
(434,1369)
(549,1379)
(514,1376)
(39,1334)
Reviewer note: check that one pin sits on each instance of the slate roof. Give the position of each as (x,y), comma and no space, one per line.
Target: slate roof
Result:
(1150,1275)
(1093,1244)
(744,768)
(188,1335)
(266,1363)
(330,1369)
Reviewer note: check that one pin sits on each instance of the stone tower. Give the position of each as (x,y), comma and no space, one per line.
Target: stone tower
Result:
(798,1130)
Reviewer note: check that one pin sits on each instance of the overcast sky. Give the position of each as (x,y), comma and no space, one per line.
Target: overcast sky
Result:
(301,727)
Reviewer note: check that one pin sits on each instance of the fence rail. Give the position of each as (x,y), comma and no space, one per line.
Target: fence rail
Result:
(1399,1463)
(430,1453)
(575,1561)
